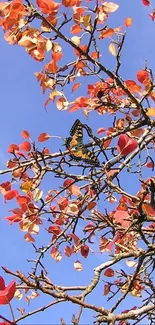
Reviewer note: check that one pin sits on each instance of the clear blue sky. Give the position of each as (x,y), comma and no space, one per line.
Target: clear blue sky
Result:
(22,107)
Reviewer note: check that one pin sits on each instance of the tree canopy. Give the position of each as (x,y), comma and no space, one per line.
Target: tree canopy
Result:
(90,203)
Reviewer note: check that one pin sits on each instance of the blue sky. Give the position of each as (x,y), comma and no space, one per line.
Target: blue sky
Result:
(22,107)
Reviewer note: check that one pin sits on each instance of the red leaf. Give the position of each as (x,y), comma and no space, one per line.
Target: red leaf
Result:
(101,130)
(25,146)
(75,238)
(6,292)
(12,148)
(91,205)
(109,273)
(146,2)
(43,137)
(68,251)
(84,250)
(55,254)
(4,187)
(142,76)
(106,289)
(148,210)
(56,230)
(63,203)
(13,218)
(126,145)
(10,194)
(25,134)
(122,218)
(67,182)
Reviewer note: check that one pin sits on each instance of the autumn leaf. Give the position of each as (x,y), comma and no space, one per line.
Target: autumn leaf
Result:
(142,76)
(126,145)
(78,266)
(10,195)
(110,7)
(48,6)
(146,2)
(76,29)
(12,148)
(25,146)
(25,134)
(109,272)
(112,49)
(101,130)
(6,292)
(151,111)
(43,137)
(106,33)
(84,250)
(128,22)
(76,86)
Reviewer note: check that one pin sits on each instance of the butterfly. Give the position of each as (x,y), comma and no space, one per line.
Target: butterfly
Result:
(76,148)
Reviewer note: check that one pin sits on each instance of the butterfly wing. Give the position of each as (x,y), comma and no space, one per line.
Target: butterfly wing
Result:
(75,141)
(76,132)
(88,157)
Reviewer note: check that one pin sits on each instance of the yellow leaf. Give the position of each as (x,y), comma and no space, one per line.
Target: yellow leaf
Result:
(48,45)
(112,49)
(110,7)
(87,22)
(26,186)
(76,40)
(151,111)
(37,194)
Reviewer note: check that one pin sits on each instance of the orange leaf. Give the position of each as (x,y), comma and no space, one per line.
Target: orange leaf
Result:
(76,86)
(151,111)
(128,22)
(29,238)
(106,33)
(51,67)
(25,134)
(25,146)
(76,29)
(12,148)
(48,6)
(142,76)
(69,3)
(43,137)
(56,56)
